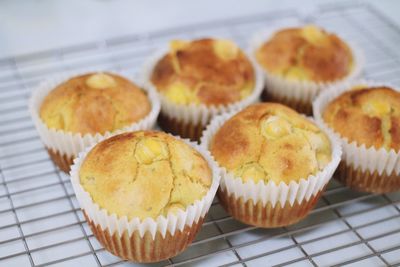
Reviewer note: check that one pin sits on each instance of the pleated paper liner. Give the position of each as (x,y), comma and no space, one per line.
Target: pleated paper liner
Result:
(189,121)
(176,127)
(267,216)
(366,181)
(364,169)
(294,93)
(269,204)
(149,240)
(63,161)
(137,248)
(63,146)
(299,106)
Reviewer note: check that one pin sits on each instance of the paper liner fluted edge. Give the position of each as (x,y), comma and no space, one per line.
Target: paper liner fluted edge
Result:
(171,223)
(271,192)
(62,161)
(146,248)
(177,127)
(266,216)
(358,155)
(299,106)
(366,181)
(199,114)
(70,144)
(302,91)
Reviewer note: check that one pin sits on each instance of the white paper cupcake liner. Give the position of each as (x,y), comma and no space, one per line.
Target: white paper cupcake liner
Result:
(172,223)
(70,144)
(271,192)
(199,114)
(301,91)
(357,155)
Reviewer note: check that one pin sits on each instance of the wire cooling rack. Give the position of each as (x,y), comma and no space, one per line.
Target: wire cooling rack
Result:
(40,220)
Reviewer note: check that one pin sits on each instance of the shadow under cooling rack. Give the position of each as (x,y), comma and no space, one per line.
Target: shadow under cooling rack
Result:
(40,220)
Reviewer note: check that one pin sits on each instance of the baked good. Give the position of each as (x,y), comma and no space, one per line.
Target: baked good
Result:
(94,103)
(71,112)
(121,173)
(208,73)
(366,116)
(204,71)
(155,187)
(372,112)
(269,143)
(306,55)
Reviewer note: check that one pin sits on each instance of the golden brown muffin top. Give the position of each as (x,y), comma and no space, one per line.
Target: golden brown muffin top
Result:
(367,115)
(144,174)
(307,53)
(204,71)
(269,141)
(94,103)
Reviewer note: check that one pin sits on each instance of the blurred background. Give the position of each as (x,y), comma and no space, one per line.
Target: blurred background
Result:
(37,25)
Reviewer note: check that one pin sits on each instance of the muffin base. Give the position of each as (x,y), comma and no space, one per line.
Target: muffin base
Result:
(266,216)
(177,127)
(305,108)
(366,181)
(62,161)
(145,249)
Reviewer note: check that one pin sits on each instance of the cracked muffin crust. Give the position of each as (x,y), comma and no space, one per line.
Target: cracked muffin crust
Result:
(144,174)
(269,141)
(308,53)
(204,71)
(94,103)
(367,115)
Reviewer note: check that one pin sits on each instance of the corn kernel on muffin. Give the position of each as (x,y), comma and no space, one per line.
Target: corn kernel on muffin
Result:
(209,72)
(370,117)
(144,175)
(270,142)
(299,62)
(94,103)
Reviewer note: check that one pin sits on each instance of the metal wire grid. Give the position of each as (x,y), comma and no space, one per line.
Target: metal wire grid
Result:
(40,220)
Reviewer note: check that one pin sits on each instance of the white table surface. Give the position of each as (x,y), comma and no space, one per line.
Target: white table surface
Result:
(32,26)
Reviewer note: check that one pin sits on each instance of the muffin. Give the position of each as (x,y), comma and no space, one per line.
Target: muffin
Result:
(199,79)
(144,194)
(300,62)
(275,163)
(71,112)
(366,117)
